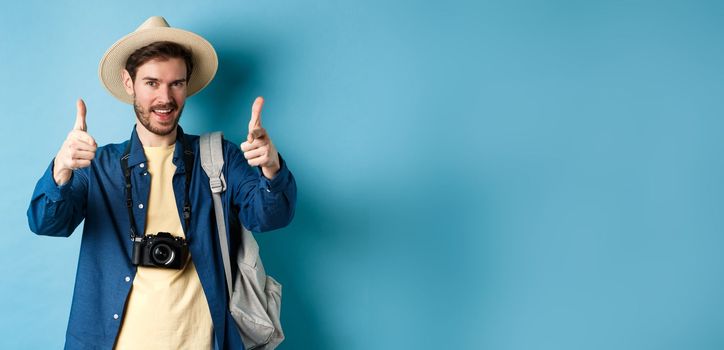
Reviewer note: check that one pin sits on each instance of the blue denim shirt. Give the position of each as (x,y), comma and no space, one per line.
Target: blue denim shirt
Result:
(105,272)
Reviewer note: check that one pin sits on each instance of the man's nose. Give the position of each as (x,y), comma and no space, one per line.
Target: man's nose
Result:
(164,94)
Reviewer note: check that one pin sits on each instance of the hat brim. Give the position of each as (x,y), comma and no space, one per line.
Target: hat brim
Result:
(114,60)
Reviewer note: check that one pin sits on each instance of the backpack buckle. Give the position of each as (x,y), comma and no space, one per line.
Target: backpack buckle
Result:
(218,184)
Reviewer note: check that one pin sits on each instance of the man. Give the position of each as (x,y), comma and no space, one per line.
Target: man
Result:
(152,187)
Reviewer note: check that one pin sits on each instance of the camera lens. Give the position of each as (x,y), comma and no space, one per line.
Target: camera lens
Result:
(162,254)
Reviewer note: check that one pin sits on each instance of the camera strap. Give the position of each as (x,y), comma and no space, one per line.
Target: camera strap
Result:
(188,156)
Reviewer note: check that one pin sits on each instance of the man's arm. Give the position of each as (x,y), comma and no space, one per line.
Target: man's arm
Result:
(59,199)
(56,210)
(264,204)
(266,195)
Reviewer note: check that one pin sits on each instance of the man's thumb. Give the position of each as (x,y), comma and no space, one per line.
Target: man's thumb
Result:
(80,116)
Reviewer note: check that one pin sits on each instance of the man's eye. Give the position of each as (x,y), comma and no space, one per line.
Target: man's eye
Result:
(179,83)
(151,83)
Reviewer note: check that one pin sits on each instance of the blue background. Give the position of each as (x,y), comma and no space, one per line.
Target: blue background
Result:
(472,174)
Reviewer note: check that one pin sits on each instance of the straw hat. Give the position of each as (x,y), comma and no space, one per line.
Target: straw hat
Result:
(157,29)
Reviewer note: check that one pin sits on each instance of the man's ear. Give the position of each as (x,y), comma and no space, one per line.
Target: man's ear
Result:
(127,82)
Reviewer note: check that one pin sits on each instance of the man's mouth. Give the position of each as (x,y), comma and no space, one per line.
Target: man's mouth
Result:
(163,113)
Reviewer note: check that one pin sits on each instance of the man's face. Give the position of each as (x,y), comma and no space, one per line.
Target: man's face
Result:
(159,94)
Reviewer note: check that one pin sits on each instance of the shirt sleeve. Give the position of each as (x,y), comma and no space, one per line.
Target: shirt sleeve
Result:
(57,210)
(263,204)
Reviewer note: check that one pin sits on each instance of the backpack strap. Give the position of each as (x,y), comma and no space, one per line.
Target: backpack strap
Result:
(212,160)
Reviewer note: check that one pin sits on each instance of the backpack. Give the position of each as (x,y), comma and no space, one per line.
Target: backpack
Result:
(255,301)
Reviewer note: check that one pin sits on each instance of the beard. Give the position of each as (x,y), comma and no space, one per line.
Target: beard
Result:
(159,128)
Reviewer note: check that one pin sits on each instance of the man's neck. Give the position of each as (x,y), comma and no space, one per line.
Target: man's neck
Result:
(149,139)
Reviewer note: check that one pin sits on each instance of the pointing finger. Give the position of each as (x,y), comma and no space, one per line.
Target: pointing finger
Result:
(80,116)
(255,121)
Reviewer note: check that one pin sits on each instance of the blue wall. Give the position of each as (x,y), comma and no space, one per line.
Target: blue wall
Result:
(472,174)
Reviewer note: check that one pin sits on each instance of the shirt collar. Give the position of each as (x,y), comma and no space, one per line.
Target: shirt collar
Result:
(137,156)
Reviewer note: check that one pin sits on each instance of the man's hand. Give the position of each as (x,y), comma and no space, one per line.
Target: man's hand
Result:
(77,151)
(258,148)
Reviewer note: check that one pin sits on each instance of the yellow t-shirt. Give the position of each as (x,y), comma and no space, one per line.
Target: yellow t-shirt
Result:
(167,308)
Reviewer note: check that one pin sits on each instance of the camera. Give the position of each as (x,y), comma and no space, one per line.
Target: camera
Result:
(160,250)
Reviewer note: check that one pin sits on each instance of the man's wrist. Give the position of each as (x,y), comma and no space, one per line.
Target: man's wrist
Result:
(61,175)
(270,172)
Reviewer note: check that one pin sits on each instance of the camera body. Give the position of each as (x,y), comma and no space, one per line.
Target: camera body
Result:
(160,250)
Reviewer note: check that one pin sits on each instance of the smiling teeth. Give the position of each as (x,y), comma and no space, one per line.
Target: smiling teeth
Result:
(163,111)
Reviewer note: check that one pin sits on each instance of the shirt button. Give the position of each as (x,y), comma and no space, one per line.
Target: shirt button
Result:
(128,279)
(141,165)
(115,316)
(140,206)
(145,173)
(268,190)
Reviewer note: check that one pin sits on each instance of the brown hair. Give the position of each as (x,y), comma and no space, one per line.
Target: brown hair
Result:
(160,50)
